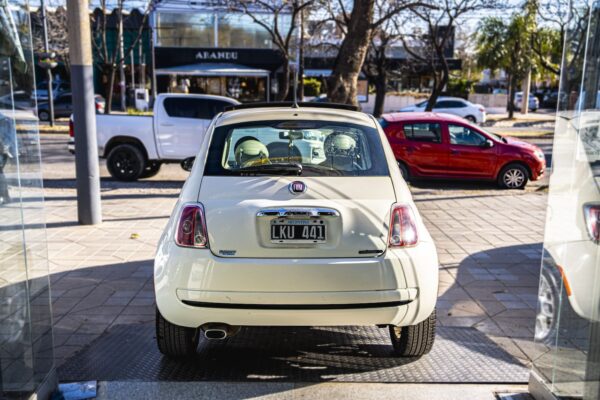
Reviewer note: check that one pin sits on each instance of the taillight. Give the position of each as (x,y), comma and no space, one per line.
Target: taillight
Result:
(191,229)
(403,229)
(481,109)
(591,213)
(71,129)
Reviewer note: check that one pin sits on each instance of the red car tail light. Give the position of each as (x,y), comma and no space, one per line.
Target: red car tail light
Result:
(71,129)
(191,229)
(403,229)
(591,212)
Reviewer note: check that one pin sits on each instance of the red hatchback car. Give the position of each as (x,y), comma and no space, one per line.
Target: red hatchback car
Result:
(446,146)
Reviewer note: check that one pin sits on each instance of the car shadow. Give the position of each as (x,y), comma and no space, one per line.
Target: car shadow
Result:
(104,330)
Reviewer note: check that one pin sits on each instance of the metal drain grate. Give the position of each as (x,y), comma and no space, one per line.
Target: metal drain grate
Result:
(343,354)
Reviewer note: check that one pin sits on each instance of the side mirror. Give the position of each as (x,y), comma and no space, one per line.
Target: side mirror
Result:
(488,144)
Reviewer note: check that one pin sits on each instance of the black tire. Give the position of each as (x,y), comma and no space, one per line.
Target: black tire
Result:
(125,162)
(44,115)
(404,170)
(471,118)
(548,307)
(174,340)
(152,168)
(513,176)
(414,340)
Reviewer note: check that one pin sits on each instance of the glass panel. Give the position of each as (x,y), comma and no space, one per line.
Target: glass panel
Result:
(240,31)
(26,351)
(567,332)
(193,29)
(424,132)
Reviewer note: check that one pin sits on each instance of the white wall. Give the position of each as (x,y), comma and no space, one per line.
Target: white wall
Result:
(392,103)
(489,100)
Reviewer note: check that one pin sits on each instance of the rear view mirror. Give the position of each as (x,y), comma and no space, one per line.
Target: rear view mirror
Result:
(291,135)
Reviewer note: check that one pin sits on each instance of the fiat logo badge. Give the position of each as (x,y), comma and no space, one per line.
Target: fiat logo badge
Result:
(297,187)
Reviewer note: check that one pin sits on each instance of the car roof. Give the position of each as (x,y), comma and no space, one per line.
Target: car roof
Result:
(290,113)
(421,116)
(452,98)
(200,96)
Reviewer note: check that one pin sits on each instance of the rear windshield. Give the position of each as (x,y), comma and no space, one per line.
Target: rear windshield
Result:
(307,148)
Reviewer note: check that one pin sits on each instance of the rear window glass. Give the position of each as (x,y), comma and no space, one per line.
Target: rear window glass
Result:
(423,132)
(307,148)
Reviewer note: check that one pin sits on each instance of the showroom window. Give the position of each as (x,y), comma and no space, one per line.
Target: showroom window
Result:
(174,29)
(26,342)
(567,328)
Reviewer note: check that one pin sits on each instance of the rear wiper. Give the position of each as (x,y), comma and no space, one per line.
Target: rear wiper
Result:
(322,169)
(266,169)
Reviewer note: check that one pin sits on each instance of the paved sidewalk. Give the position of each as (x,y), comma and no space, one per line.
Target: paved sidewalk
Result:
(489,242)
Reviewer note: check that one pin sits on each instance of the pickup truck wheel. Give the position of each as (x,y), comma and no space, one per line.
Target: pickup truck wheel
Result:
(174,340)
(125,162)
(151,169)
(414,340)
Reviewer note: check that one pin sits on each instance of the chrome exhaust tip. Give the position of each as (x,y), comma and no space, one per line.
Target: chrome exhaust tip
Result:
(215,334)
(217,331)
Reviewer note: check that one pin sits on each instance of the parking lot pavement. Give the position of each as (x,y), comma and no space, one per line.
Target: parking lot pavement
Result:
(489,243)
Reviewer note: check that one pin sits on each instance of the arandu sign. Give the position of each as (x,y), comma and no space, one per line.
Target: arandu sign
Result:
(217,55)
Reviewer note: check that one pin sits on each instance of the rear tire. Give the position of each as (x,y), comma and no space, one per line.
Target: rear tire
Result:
(513,176)
(174,340)
(125,162)
(414,340)
(404,170)
(471,118)
(152,168)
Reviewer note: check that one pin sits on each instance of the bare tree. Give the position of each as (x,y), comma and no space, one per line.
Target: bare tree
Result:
(433,46)
(357,27)
(112,58)
(280,19)
(548,40)
(378,66)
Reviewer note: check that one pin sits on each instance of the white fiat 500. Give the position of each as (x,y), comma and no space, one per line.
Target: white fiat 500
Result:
(295,216)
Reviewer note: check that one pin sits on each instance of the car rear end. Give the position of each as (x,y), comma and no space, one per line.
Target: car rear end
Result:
(267,234)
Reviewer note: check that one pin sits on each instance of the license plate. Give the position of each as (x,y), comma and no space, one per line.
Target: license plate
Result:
(298,231)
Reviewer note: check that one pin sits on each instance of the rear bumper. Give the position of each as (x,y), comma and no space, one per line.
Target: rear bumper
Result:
(194,287)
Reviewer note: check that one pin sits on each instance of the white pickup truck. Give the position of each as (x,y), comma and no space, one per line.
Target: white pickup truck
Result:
(136,146)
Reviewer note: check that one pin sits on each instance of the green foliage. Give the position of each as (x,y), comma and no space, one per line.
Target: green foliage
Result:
(312,87)
(504,45)
(548,44)
(133,111)
(460,87)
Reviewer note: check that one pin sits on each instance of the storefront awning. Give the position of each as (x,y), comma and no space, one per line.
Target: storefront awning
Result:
(207,69)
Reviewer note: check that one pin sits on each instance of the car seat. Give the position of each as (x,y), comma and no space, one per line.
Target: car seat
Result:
(340,150)
(249,151)
(282,152)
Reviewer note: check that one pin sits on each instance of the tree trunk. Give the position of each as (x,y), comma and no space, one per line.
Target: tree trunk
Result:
(284,87)
(380,88)
(511,96)
(434,93)
(348,63)
(110,89)
(439,84)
